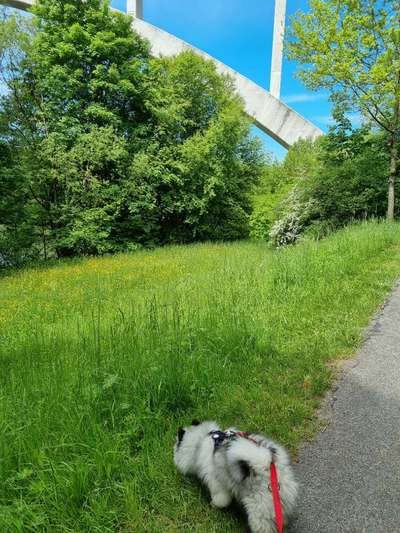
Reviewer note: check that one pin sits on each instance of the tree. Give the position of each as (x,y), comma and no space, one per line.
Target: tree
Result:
(349,184)
(17,214)
(352,48)
(81,75)
(117,149)
(203,162)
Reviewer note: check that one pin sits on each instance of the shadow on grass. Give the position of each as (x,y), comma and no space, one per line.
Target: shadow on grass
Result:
(38,266)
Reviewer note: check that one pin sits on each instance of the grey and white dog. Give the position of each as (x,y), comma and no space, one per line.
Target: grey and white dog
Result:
(233,464)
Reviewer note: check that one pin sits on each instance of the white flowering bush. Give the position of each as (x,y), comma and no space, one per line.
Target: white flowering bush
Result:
(297,214)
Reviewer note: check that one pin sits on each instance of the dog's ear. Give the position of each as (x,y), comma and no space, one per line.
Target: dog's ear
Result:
(244,468)
(195,422)
(181,433)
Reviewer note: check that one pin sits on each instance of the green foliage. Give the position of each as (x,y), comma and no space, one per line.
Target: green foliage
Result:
(201,164)
(86,65)
(346,182)
(115,149)
(16,216)
(352,182)
(107,357)
(278,180)
(352,48)
(268,195)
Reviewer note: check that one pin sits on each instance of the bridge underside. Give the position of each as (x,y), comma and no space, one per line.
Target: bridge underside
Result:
(270,114)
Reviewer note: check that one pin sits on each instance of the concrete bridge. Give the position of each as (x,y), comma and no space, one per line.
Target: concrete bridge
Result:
(270,114)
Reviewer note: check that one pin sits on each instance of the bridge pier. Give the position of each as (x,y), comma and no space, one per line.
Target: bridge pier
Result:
(277,48)
(135,8)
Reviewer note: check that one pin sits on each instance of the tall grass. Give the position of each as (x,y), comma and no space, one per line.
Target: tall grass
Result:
(102,359)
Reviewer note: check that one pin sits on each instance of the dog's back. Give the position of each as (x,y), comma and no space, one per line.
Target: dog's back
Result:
(248,461)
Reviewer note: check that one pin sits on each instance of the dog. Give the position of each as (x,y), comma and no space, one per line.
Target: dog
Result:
(237,465)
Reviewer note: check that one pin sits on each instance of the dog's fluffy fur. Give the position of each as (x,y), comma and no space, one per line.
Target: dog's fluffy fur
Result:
(239,468)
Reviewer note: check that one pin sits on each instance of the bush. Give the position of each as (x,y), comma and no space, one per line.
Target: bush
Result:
(266,211)
(346,183)
(353,181)
(288,229)
(273,195)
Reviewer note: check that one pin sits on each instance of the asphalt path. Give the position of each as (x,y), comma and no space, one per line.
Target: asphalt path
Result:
(350,473)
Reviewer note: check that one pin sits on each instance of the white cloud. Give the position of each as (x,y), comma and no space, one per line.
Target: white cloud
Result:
(304,97)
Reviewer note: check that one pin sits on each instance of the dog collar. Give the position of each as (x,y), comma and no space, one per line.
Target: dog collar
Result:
(219,437)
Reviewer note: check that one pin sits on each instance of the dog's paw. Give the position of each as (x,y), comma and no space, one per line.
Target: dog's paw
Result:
(221,500)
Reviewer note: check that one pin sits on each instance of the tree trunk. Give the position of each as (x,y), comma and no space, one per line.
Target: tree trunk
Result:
(392,177)
(394,152)
(394,147)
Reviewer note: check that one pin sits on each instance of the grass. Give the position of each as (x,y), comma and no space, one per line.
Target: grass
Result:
(102,359)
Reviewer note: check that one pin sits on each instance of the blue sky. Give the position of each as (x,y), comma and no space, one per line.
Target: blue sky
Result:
(239,33)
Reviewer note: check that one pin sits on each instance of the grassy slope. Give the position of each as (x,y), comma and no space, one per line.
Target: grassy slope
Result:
(102,359)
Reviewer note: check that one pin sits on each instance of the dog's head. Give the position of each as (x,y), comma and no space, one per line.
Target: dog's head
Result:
(187,443)
(182,431)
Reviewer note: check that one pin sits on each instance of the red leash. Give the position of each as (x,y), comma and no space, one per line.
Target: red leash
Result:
(276,497)
(274,487)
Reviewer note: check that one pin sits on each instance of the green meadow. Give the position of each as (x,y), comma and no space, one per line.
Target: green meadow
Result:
(101,360)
